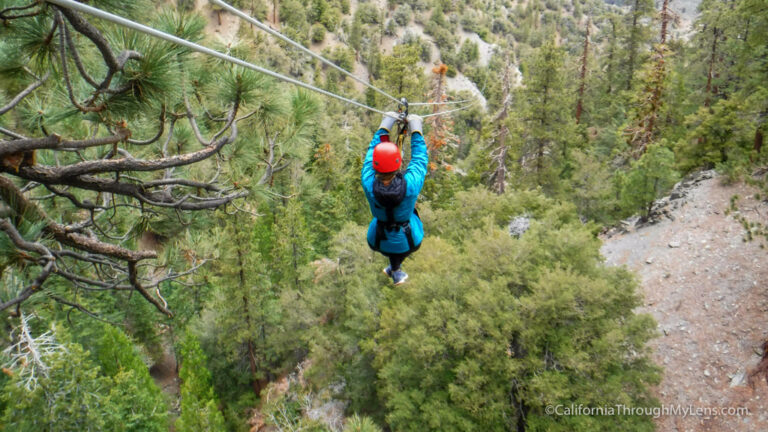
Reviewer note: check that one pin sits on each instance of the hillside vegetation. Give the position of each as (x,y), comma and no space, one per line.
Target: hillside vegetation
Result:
(182,240)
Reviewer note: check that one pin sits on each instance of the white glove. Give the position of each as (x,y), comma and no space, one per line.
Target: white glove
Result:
(388,121)
(415,124)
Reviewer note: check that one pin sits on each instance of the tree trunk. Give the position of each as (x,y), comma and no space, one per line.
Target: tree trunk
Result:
(632,45)
(541,143)
(609,71)
(275,15)
(664,21)
(712,58)
(583,77)
(500,174)
(520,408)
(247,318)
(758,140)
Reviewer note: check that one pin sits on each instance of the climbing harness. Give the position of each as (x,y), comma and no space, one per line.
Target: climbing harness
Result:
(387,198)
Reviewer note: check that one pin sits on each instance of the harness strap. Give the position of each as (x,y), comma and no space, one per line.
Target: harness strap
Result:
(383,226)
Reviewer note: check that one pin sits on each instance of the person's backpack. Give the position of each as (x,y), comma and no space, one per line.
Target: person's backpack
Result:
(388,197)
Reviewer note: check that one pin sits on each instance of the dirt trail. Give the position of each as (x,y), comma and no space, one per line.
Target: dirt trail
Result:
(708,291)
(166,375)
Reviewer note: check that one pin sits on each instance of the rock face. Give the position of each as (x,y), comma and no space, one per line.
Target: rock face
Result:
(519,225)
(706,289)
(663,208)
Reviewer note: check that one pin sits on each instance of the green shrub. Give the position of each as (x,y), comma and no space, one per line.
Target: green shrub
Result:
(402,15)
(318,32)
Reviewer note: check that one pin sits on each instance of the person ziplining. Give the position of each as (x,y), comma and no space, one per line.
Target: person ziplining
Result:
(396,230)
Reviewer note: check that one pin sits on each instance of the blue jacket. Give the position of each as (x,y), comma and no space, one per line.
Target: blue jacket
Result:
(396,241)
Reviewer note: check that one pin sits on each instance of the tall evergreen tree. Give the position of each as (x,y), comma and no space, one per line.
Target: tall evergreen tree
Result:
(199,410)
(401,75)
(638,35)
(650,99)
(548,123)
(241,323)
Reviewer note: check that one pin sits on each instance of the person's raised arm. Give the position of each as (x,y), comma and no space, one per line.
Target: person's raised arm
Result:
(387,123)
(417,167)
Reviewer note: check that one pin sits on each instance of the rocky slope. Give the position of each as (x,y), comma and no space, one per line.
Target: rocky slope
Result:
(706,288)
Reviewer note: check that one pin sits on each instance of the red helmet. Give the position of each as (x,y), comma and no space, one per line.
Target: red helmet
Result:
(386,157)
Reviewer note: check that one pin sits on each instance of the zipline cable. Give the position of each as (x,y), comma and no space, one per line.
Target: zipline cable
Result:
(439,103)
(98,13)
(290,41)
(277,34)
(450,111)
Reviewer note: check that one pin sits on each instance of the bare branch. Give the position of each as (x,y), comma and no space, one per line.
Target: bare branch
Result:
(22,206)
(103,286)
(65,71)
(77,306)
(76,56)
(182,182)
(16,8)
(159,132)
(114,63)
(133,278)
(18,241)
(53,174)
(54,142)
(90,259)
(4,14)
(10,230)
(91,32)
(24,93)
(11,134)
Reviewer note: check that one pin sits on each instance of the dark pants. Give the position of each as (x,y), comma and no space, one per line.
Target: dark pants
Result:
(396,259)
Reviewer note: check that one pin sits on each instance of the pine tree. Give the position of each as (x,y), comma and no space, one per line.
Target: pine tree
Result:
(637,36)
(611,64)
(292,247)
(648,177)
(400,72)
(440,134)
(583,75)
(118,89)
(548,124)
(199,410)
(241,322)
(713,21)
(650,99)
(143,406)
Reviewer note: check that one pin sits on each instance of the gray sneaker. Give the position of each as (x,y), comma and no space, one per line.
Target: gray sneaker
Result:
(399,276)
(388,271)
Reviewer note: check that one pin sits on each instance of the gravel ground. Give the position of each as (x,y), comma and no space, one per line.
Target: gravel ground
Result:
(706,288)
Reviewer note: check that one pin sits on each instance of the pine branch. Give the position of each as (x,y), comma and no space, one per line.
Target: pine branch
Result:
(4,14)
(75,55)
(45,255)
(24,93)
(54,142)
